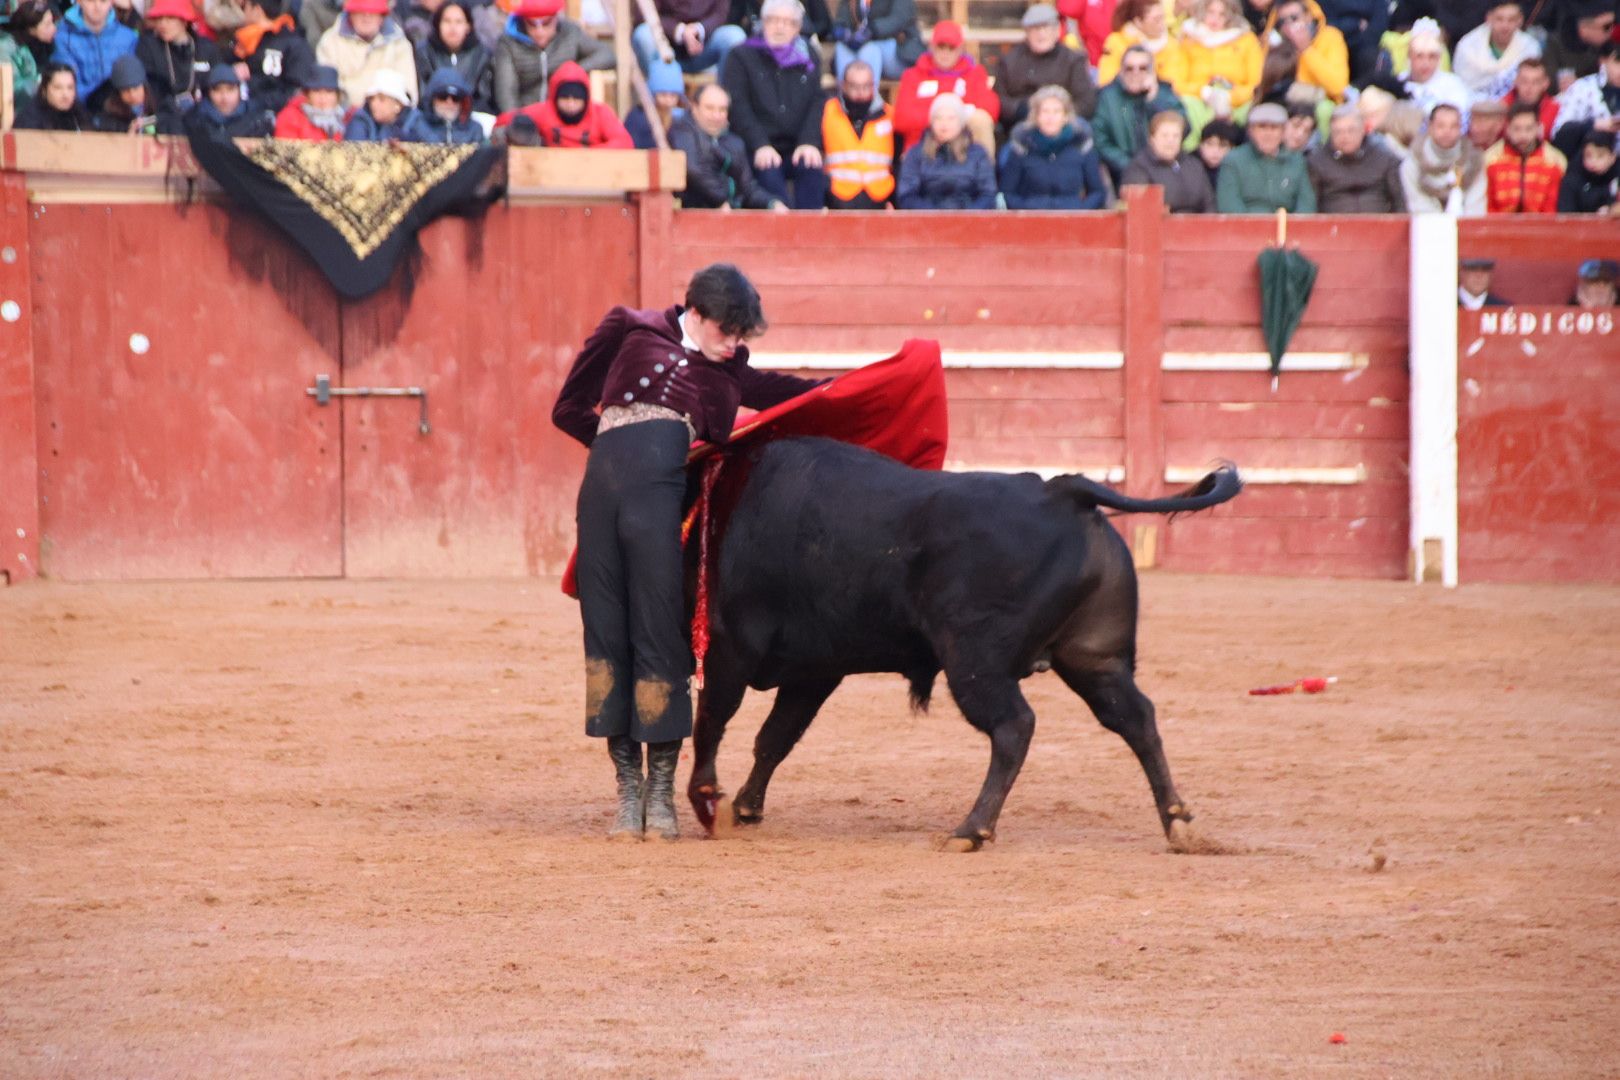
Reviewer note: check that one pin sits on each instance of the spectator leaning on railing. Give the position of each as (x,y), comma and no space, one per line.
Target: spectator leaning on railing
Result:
(1261,176)
(316,114)
(1444,173)
(56,107)
(1351,176)
(883,33)
(717,173)
(947,169)
(776,105)
(1162,162)
(1049,162)
(88,40)
(1042,59)
(857,137)
(537,41)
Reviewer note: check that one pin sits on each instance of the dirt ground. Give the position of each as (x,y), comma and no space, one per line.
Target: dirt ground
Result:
(338,829)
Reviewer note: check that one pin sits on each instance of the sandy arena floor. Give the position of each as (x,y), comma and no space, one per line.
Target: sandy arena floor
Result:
(340,829)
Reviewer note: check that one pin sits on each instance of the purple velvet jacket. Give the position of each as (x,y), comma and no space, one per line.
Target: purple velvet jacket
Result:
(637,356)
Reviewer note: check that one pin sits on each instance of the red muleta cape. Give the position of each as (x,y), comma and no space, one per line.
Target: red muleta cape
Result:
(894,406)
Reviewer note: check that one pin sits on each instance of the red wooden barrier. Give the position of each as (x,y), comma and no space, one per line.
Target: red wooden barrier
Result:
(19,467)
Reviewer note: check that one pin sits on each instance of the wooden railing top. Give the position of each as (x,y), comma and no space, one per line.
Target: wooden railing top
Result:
(134,168)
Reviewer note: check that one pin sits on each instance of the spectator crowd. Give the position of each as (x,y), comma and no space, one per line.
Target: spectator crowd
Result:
(1234,106)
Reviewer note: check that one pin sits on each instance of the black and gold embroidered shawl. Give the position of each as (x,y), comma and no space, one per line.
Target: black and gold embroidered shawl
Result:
(354,207)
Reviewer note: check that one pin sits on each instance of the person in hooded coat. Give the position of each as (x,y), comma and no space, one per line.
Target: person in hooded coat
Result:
(317,114)
(453,44)
(1049,162)
(446,112)
(88,40)
(569,118)
(175,59)
(57,106)
(385,112)
(537,41)
(222,106)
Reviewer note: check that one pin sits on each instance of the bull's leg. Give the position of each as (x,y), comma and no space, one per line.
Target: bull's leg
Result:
(995,706)
(1108,688)
(718,701)
(796,705)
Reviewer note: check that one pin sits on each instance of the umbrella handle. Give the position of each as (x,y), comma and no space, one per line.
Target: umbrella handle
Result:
(1282,226)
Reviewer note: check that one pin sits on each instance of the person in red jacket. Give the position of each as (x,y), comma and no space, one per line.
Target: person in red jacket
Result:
(569,118)
(316,115)
(1532,85)
(1524,178)
(946,69)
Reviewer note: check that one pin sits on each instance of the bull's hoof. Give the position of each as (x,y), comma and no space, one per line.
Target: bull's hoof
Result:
(705,799)
(1183,841)
(745,814)
(963,844)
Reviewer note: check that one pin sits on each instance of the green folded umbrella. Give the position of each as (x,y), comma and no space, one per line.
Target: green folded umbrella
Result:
(1286,278)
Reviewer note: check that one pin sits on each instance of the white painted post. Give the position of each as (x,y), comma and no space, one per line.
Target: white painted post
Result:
(1432,329)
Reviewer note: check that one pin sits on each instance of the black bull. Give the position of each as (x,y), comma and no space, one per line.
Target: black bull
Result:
(836,560)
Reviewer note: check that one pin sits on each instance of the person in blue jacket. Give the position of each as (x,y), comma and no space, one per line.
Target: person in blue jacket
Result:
(89,40)
(446,112)
(947,170)
(385,114)
(1050,162)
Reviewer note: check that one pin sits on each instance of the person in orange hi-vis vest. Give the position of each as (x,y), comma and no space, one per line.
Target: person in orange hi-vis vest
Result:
(857,137)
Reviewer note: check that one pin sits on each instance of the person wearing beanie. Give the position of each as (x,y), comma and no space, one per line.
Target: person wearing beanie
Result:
(538,40)
(1597,284)
(278,59)
(126,107)
(446,113)
(1261,176)
(776,106)
(1487,58)
(316,114)
(946,69)
(697,31)
(56,107)
(384,112)
(174,58)
(452,43)
(223,107)
(883,33)
(1592,184)
(643,387)
(668,90)
(88,40)
(1349,175)
(1591,104)
(364,41)
(1125,106)
(1525,176)
(569,118)
(1041,60)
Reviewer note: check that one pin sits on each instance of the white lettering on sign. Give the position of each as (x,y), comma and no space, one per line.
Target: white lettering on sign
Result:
(1566,323)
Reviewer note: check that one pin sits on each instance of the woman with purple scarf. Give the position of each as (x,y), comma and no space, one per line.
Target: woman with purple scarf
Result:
(776,106)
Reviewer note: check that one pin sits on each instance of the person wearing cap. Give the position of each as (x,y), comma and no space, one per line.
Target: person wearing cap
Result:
(1125,106)
(569,118)
(946,69)
(1050,161)
(946,170)
(1474,285)
(1444,173)
(1162,163)
(1573,48)
(451,43)
(446,113)
(1487,120)
(317,114)
(56,107)
(857,132)
(383,113)
(645,385)
(776,106)
(1525,175)
(696,30)
(1425,83)
(364,41)
(883,33)
(1592,184)
(223,107)
(175,60)
(1041,60)
(1349,175)
(272,56)
(88,40)
(718,176)
(1595,283)
(1261,177)
(1488,57)
(538,40)
(1532,85)
(668,89)
(126,108)
(1592,104)
(1138,22)
(16,36)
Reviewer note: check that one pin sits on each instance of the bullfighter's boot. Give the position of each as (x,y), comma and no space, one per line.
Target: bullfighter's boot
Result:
(626,754)
(661,820)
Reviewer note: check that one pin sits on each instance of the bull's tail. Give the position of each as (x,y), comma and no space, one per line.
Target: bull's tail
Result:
(1214,489)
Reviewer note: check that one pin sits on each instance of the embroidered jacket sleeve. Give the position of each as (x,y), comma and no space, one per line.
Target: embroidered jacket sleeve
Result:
(575,411)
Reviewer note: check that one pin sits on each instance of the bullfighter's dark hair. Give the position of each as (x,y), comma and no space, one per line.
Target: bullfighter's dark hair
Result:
(722,294)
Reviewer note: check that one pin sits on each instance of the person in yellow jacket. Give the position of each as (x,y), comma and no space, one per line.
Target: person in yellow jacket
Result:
(1219,60)
(1138,22)
(857,143)
(1324,60)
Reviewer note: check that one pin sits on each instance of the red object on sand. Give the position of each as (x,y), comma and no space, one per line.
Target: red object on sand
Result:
(1310,686)
(1337,1038)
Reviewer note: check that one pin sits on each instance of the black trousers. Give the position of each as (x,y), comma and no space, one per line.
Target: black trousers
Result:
(638,655)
